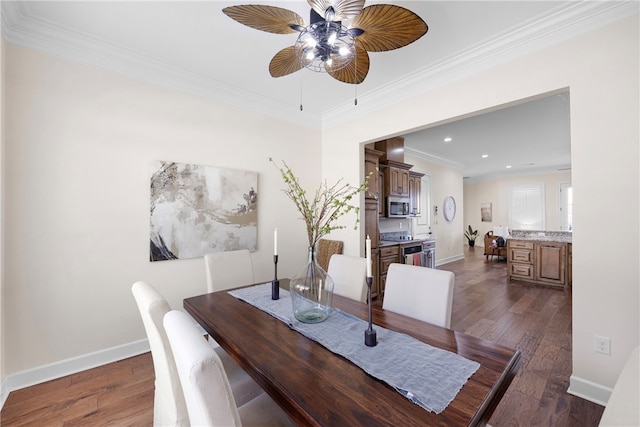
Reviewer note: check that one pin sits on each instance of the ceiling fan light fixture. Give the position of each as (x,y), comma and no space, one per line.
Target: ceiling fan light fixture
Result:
(325,46)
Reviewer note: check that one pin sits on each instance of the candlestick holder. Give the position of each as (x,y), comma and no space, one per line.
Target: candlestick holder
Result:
(370,339)
(275,283)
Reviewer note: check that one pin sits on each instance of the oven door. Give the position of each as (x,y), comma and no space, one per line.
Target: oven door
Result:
(413,255)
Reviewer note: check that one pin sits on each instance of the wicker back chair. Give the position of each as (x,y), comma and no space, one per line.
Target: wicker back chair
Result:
(326,248)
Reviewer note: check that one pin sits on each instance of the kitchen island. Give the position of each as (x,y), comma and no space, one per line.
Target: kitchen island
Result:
(540,257)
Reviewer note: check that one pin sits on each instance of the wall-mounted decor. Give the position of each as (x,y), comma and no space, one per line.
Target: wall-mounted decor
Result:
(485,212)
(197,209)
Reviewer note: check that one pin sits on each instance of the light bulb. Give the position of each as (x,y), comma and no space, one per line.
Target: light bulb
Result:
(332,38)
(344,51)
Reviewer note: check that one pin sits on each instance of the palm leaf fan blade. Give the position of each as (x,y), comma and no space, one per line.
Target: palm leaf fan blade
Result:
(387,27)
(343,9)
(265,18)
(356,71)
(285,62)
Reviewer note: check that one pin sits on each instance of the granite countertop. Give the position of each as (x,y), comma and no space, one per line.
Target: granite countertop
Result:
(553,236)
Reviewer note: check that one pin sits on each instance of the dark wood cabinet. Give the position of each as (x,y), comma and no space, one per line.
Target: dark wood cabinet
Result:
(388,255)
(539,262)
(381,202)
(551,262)
(371,170)
(396,180)
(415,186)
(371,229)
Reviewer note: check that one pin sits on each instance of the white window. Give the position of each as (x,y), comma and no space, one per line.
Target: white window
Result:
(566,207)
(526,207)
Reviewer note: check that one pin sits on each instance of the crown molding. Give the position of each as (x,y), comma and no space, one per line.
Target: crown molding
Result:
(21,28)
(434,159)
(560,24)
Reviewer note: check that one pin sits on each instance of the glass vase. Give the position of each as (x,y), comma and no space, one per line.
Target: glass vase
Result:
(311,292)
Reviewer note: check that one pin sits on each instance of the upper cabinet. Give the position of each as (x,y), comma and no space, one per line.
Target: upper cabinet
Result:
(396,179)
(415,187)
(396,172)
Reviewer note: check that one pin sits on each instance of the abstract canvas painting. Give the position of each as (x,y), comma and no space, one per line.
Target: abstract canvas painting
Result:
(197,209)
(486,214)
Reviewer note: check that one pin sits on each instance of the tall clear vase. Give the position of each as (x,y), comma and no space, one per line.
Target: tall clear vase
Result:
(311,292)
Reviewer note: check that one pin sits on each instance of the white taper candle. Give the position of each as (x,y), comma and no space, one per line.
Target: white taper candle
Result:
(275,241)
(368,255)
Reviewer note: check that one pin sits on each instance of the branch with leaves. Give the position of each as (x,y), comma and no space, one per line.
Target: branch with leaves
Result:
(328,204)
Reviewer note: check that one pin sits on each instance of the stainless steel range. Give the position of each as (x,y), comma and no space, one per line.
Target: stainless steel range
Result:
(413,251)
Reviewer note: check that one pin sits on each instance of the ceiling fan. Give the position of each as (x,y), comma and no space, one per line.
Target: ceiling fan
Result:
(326,45)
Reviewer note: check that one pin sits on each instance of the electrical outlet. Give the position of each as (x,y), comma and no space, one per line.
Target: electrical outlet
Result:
(602,345)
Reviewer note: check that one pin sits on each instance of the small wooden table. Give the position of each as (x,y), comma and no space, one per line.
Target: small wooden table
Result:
(319,388)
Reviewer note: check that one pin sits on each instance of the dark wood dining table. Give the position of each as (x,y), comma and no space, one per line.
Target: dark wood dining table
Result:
(319,388)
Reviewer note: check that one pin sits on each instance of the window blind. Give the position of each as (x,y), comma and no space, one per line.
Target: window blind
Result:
(526,210)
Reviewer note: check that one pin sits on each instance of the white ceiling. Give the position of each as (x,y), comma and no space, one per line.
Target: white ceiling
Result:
(194,47)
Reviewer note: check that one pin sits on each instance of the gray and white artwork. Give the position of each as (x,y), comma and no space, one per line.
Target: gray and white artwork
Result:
(196,210)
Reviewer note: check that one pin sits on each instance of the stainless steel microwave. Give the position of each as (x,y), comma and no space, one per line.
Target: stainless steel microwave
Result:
(397,207)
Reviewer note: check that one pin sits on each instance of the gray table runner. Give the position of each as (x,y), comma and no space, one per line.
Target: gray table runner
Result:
(426,375)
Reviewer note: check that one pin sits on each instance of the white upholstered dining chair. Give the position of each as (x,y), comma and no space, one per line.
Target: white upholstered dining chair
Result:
(228,270)
(422,293)
(169,405)
(169,408)
(207,392)
(349,274)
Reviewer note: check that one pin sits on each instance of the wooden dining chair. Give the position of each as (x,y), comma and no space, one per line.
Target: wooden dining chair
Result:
(422,293)
(228,270)
(349,274)
(208,395)
(169,406)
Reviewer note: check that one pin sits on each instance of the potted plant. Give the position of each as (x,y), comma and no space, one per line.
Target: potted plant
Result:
(312,289)
(471,235)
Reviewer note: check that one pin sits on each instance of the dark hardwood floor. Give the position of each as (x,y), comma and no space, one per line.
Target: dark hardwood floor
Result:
(535,320)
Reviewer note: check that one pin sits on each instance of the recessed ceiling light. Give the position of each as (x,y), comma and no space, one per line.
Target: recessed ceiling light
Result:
(484,156)
(509,167)
(448,139)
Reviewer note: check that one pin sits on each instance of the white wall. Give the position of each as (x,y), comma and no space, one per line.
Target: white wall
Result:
(80,144)
(445,181)
(497,191)
(601,71)
(2,129)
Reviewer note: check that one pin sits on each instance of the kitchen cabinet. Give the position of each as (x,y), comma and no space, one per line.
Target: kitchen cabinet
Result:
(520,255)
(396,179)
(415,184)
(388,255)
(375,286)
(371,229)
(542,262)
(371,169)
(371,222)
(381,206)
(551,262)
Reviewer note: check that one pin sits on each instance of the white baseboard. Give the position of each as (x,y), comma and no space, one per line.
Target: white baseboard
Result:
(449,259)
(66,367)
(588,390)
